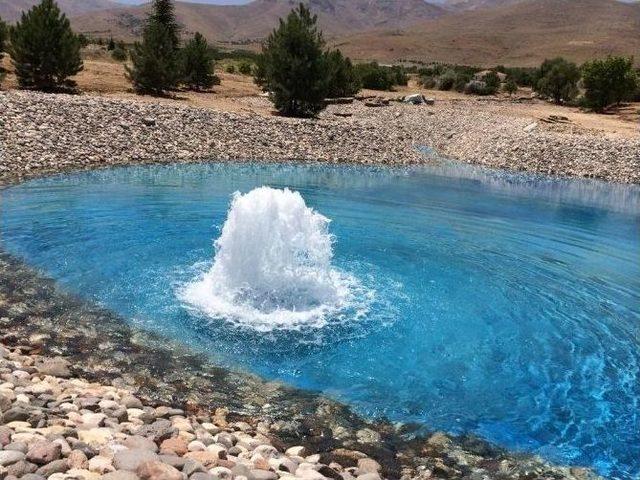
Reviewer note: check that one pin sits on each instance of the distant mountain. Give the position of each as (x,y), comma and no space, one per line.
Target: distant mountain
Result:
(238,23)
(522,33)
(11,10)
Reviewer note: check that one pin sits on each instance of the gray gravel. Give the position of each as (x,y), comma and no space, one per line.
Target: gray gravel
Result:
(49,133)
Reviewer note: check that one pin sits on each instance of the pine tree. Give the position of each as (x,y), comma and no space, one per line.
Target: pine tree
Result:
(164,14)
(44,50)
(197,64)
(155,64)
(343,80)
(292,65)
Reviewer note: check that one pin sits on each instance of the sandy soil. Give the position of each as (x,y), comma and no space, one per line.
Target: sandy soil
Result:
(237,93)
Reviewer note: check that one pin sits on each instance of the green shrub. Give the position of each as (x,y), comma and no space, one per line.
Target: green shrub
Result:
(155,64)
(4,32)
(111,45)
(230,69)
(197,64)
(428,82)
(245,68)
(510,86)
(374,77)
(447,80)
(120,52)
(558,80)
(44,50)
(342,81)
(491,83)
(609,81)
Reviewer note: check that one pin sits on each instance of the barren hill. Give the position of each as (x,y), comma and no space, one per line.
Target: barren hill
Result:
(523,34)
(255,20)
(10,10)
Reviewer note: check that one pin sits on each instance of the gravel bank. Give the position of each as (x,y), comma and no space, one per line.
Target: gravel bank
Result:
(49,133)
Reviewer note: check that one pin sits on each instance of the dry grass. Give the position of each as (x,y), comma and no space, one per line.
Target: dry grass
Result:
(237,93)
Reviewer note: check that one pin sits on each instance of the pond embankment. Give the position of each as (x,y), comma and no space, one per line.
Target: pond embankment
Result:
(43,134)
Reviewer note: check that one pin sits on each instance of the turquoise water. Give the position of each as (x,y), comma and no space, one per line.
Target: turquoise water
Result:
(499,304)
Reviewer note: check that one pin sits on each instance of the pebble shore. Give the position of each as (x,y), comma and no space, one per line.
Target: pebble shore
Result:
(41,134)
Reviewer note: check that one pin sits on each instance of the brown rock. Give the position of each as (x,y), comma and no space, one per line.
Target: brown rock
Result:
(208,459)
(77,459)
(176,445)
(44,452)
(156,470)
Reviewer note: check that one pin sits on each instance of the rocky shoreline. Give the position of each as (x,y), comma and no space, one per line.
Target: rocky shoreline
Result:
(41,134)
(85,396)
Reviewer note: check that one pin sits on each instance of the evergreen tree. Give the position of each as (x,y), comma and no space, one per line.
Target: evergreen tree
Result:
(163,14)
(197,64)
(44,50)
(558,80)
(343,81)
(292,65)
(155,65)
(608,82)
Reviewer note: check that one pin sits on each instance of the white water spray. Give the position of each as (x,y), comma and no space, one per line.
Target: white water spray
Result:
(272,267)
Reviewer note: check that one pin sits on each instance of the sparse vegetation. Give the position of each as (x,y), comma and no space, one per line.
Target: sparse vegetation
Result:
(245,68)
(230,69)
(120,52)
(558,80)
(510,86)
(197,64)
(44,50)
(155,66)
(380,77)
(608,82)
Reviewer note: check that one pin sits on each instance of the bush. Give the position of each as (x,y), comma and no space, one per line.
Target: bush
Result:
(447,80)
(120,53)
(3,37)
(44,50)
(609,81)
(428,82)
(374,77)
(155,66)
(558,80)
(343,81)
(230,69)
(245,68)
(399,76)
(292,65)
(111,45)
(491,83)
(510,86)
(197,64)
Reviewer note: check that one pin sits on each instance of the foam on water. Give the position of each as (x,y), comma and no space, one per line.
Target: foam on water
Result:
(272,267)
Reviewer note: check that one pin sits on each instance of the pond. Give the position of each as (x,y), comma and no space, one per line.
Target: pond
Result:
(462,299)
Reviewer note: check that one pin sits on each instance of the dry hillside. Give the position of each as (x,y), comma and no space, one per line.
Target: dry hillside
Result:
(518,34)
(255,20)
(10,10)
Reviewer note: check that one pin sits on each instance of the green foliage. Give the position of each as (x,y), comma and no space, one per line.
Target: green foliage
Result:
(4,33)
(83,39)
(245,68)
(44,50)
(292,65)
(558,80)
(111,44)
(522,76)
(231,69)
(609,81)
(510,86)
(374,77)
(491,83)
(154,62)
(163,14)
(447,80)
(197,64)
(343,81)
(120,52)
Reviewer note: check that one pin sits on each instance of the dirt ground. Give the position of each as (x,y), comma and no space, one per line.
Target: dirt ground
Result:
(237,93)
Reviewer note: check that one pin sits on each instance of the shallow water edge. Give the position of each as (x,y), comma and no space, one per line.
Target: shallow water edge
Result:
(103,348)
